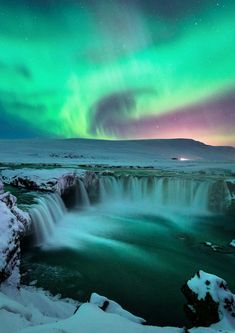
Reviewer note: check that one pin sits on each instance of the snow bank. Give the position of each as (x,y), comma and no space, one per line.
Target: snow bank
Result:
(91,319)
(110,306)
(30,310)
(55,180)
(29,307)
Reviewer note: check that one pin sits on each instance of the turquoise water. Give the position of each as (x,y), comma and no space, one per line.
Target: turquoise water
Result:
(133,257)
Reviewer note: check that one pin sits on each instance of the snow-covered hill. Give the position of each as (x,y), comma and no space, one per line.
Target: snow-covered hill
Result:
(170,153)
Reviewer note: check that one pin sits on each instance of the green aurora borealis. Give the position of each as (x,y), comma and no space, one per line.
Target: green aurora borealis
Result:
(118,69)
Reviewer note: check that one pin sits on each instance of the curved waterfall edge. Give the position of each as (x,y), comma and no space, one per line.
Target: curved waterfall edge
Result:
(149,192)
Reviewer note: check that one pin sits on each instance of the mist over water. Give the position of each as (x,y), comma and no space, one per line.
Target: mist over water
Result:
(131,251)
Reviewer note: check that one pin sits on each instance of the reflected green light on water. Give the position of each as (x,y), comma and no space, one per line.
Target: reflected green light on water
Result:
(139,260)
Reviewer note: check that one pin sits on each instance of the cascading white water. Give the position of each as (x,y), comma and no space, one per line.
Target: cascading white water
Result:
(82,197)
(178,192)
(148,193)
(47,211)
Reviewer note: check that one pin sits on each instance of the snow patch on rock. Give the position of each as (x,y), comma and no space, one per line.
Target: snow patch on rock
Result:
(210,301)
(55,180)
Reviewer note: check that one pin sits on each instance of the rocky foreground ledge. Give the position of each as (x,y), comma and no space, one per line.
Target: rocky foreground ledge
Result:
(30,310)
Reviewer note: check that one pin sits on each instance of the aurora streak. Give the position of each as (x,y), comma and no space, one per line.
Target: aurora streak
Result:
(118,69)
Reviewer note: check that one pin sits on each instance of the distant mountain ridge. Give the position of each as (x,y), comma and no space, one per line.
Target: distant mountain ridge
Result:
(134,152)
(175,140)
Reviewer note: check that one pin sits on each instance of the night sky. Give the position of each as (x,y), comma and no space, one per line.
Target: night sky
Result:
(118,69)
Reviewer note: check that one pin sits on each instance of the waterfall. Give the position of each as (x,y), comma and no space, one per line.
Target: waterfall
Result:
(201,197)
(159,192)
(45,213)
(82,198)
(151,193)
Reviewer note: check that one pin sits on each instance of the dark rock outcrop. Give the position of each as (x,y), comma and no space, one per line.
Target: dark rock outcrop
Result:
(209,300)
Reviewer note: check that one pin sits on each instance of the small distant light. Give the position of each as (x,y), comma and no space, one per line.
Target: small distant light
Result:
(183,159)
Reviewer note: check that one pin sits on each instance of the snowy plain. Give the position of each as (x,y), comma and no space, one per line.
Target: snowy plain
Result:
(174,154)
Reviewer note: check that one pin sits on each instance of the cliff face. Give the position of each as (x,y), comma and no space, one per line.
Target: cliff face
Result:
(13,221)
(13,224)
(49,180)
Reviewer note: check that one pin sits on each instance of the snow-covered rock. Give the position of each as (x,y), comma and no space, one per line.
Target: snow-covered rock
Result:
(13,223)
(232,243)
(209,301)
(110,306)
(55,180)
